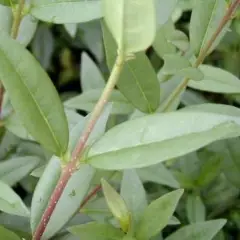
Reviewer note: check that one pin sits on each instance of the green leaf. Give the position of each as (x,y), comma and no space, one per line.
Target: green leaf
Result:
(180,65)
(88,99)
(13,170)
(7,234)
(143,94)
(43,191)
(134,194)
(91,77)
(164,10)
(117,205)
(137,143)
(33,96)
(14,125)
(71,28)
(64,11)
(209,170)
(94,230)
(196,211)
(191,97)
(5,19)
(159,174)
(199,231)
(168,39)
(216,80)
(130,34)
(70,200)
(206,17)
(158,214)
(43,45)
(10,202)
(27,30)
(174,63)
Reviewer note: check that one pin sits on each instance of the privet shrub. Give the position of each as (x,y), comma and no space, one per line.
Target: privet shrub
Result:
(146,146)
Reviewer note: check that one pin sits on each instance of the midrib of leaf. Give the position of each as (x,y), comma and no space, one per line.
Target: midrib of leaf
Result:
(37,106)
(140,88)
(206,33)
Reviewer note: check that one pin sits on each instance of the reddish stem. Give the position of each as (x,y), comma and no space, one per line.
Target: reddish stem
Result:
(77,153)
(91,195)
(66,174)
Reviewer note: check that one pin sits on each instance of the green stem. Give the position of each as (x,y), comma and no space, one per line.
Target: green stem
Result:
(17,17)
(231,10)
(72,166)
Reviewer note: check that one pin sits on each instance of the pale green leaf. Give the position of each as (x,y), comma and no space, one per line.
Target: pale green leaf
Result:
(198,231)
(157,215)
(42,45)
(168,39)
(87,101)
(164,10)
(143,94)
(196,211)
(216,80)
(158,174)
(94,230)
(71,28)
(27,30)
(10,202)
(5,19)
(7,234)
(70,200)
(191,97)
(123,19)
(43,191)
(138,143)
(33,96)
(64,11)
(116,205)
(91,77)
(206,17)
(134,194)
(14,169)
(191,73)
(174,63)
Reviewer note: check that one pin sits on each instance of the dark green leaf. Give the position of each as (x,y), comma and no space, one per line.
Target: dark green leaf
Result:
(158,214)
(198,231)
(33,96)
(7,234)
(94,230)
(143,94)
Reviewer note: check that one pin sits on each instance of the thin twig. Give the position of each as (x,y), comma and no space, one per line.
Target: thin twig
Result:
(77,153)
(17,17)
(202,55)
